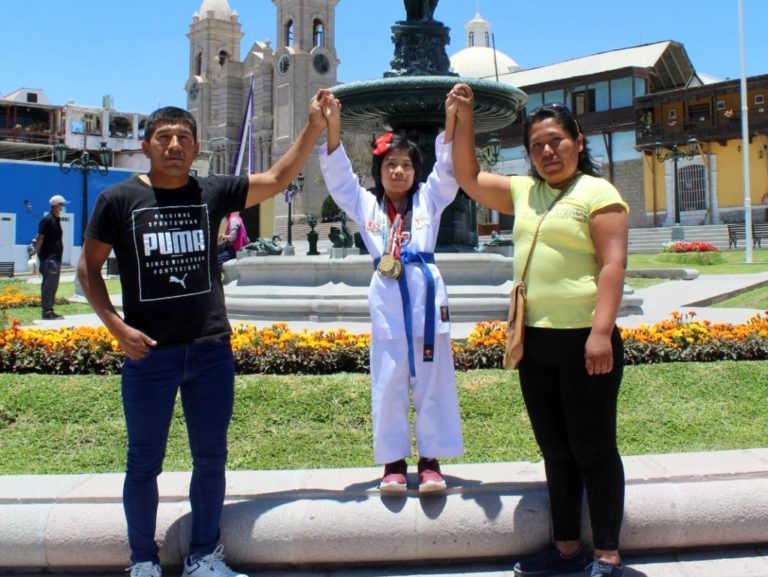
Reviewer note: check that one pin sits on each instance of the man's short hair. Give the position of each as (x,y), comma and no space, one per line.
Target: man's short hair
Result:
(169,115)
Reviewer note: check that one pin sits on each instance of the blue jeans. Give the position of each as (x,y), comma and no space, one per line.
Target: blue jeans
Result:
(50,270)
(205,375)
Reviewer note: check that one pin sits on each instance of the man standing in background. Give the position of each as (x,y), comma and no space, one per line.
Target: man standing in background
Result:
(50,250)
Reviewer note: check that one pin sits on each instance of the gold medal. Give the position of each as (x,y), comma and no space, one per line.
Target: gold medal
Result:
(386,265)
(397,270)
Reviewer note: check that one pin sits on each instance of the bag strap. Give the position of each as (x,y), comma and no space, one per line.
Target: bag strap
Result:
(538,226)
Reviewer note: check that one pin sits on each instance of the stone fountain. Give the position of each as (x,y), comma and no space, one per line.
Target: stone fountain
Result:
(409,97)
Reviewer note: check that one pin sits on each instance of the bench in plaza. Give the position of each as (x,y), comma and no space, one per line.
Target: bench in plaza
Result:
(7,269)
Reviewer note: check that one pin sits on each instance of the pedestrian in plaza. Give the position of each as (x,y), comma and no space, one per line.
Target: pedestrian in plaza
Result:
(411,354)
(572,366)
(49,247)
(233,239)
(163,227)
(32,256)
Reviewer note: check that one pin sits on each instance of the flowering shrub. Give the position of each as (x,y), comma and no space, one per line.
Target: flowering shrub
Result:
(68,351)
(484,347)
(277,350)
(684,339)
(691,253)
(683,246)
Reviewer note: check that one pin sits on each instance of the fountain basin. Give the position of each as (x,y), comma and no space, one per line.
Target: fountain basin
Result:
(414,102)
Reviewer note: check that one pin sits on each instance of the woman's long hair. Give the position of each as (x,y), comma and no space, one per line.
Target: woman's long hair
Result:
(563,116)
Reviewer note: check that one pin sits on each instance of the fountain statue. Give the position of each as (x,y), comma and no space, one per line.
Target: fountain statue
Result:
(420,10)
(411,97)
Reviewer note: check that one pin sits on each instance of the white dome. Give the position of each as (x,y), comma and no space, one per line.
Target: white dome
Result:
(479,62)
(220,9)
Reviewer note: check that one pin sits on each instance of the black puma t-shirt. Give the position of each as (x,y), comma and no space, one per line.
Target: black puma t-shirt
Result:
(165,244)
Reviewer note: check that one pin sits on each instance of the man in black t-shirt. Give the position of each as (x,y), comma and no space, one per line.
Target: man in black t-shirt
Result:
(50,248)
(175,333)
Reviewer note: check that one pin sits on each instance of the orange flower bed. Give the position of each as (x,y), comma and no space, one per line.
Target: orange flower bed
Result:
(278,350)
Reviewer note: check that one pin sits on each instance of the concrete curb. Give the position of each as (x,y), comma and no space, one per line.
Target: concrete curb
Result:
(333,517)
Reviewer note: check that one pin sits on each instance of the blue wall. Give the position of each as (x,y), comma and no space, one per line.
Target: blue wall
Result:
(36,182)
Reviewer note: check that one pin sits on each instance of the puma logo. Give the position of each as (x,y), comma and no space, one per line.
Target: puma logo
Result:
(180,281)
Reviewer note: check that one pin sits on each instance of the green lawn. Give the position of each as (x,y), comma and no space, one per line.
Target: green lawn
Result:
(74,424)
(26,316)
(735,262)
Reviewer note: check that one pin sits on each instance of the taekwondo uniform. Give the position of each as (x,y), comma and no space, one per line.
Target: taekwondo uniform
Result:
(410,322)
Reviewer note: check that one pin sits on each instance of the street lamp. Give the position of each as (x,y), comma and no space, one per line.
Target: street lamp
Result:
(488,155)
(85,164)
(676,154)
(293,189)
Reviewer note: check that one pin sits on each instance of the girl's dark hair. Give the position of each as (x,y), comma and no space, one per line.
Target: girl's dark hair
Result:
(563,116)
(400,141)
(169,115)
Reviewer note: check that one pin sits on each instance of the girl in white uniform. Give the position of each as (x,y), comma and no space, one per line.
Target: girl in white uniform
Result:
(410,335)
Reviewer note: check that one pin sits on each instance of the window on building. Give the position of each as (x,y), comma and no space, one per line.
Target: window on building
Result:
(120,126)
(199,64)
(289,33)
(583,101)
(31,97)
(318,33)
(554,96)
(759,99)
(471,39)
(534,101)
(699,112)
(640,87)
(692,187)
(672,114)
(720,105)
(223,57)
(621,92)
(602,96)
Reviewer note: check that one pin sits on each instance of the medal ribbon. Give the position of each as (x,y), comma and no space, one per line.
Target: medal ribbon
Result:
(397,218)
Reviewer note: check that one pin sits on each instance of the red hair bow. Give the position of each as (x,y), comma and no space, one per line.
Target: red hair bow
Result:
(382,143)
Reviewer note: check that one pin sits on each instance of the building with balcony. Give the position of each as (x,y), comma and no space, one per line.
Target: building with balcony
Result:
(626,101)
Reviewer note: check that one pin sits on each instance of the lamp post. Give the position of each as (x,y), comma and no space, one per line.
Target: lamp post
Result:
(293,189)
(676,154)
(488,158)
(85,164)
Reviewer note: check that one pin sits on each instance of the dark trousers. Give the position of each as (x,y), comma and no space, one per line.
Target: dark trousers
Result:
(573,416)
(204,373)
(50,271)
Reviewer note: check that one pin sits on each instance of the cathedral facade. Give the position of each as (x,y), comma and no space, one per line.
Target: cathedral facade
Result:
(266,89)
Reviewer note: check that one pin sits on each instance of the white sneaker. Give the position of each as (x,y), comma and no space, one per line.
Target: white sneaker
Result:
(211,565)
(145,569)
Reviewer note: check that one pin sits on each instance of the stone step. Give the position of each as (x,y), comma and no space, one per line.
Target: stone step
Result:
(331,518)
(651,240)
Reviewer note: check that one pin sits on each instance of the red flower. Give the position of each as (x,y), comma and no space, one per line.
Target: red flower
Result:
(382,143)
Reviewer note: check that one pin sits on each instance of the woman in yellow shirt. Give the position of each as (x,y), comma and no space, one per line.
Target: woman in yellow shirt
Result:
(573,362)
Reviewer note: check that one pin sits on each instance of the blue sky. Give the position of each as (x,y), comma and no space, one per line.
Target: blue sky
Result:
(137,50)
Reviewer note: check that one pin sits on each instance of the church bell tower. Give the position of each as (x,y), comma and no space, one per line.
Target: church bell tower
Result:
(305,60)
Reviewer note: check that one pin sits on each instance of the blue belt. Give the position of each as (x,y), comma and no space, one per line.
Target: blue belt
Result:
(422,259)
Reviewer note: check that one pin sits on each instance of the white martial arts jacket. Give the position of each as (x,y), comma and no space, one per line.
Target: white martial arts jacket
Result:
(432,197)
